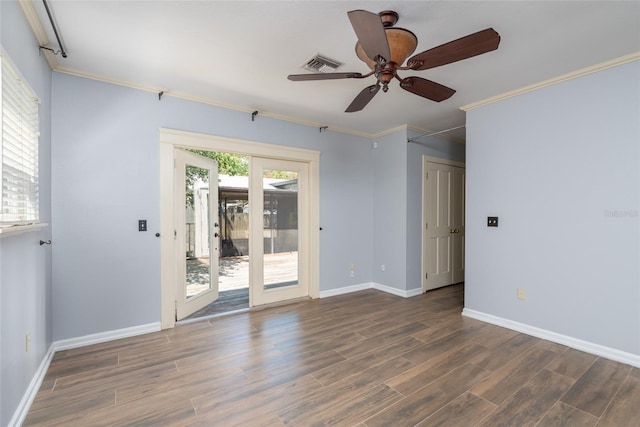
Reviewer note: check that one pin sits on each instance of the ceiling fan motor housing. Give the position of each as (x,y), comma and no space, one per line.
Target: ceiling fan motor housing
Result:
(402,43)
(388,18)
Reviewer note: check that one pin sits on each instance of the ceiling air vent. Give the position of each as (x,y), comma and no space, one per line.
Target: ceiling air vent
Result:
(321,64)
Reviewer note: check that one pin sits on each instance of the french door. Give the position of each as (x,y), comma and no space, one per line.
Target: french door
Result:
(279,216)
(444,228)
(196,232)
(290,273)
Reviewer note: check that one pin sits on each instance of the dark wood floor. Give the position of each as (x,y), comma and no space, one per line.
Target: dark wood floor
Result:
(362,359)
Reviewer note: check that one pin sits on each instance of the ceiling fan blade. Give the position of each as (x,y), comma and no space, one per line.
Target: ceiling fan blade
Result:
(466,47)
(426,88)
(370,31)
(323,76)
(363,98)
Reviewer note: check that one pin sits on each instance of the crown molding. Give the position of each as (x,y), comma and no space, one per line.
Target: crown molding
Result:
(569,76)
(39,33)
(442,135)
(423,131)
(389,131)
(209,101)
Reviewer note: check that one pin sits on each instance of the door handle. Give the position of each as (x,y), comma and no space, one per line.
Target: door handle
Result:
(452,231)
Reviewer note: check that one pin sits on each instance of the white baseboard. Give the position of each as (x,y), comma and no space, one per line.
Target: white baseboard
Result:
(413,292)
(398,292)
(345,290)
(27,399)
(371,285)
(105,336)
(586,346)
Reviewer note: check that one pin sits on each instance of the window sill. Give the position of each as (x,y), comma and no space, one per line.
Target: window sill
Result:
(19,229)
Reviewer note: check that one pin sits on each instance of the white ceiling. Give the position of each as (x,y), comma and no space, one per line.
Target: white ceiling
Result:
(239,53)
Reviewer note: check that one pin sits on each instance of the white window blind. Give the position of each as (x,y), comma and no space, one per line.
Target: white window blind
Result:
(20,132)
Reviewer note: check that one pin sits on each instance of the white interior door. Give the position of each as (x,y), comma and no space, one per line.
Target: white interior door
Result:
(443,238)
(197,232)
(279,224)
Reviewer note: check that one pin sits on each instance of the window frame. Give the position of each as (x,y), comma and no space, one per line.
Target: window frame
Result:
(31,222)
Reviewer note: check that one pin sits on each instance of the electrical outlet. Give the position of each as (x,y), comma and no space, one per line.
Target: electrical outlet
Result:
(27,342)
(522,294)
(492,221)
(352,273)
(383,267)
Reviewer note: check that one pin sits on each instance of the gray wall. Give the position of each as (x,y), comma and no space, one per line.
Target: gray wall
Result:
(25,266)
(389,210)
(105,174)
(560,167)
(397,205)
(346,198)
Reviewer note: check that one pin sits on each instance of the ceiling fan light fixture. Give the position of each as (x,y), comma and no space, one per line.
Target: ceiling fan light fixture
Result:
(402,43)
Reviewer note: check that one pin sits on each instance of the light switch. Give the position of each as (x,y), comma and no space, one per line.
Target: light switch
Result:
(142,225)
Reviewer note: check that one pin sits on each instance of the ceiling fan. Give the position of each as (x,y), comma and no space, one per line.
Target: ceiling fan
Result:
(384,48)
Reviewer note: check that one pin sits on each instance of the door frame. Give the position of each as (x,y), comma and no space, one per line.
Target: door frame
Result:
(170,139)
(425,160)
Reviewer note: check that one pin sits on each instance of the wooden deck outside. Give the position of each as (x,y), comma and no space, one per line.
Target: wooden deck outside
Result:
(233,272)
(233,280)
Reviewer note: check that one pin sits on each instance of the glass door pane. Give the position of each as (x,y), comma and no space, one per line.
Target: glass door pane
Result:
(280,228)
(196,232)
(197,216)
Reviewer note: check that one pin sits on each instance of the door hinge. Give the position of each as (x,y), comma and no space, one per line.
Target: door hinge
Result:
(426,226)
(426,175)
(175,234)
(426,276)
